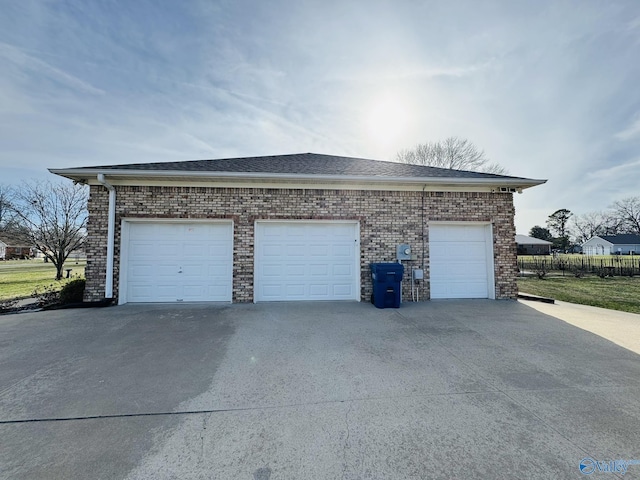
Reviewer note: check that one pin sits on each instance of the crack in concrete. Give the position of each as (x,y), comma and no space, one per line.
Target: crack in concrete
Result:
(205,419)
(492,390)
(346,441)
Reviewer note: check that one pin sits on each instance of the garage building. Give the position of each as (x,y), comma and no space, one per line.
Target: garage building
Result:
(294,228)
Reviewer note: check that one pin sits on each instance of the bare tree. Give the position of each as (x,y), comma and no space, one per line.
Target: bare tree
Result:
(56,215)
(628,212)
(7,213)
(613,224)
(585,226)
(454,153)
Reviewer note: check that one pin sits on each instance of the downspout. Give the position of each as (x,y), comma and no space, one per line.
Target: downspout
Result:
(111,227)
(423,225)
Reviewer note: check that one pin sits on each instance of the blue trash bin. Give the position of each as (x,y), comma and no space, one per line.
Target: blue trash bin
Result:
(387,278)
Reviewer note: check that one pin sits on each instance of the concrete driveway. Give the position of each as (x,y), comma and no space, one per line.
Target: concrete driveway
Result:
(444,389)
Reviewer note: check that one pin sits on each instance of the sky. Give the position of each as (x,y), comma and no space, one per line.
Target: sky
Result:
(550,89)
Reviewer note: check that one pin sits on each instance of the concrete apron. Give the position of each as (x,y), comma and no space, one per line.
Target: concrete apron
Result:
(621,328)
(448,389)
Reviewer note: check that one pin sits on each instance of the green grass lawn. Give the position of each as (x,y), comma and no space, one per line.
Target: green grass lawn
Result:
(616,293)
(19,278)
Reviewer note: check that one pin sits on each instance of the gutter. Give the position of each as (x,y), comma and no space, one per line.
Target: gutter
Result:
(111,227)
(80,174)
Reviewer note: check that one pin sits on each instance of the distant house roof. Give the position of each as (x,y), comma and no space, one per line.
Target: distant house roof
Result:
(624,239)
(524,240)
(15,241)
(297,166)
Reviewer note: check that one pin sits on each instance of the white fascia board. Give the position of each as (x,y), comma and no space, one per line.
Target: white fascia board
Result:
(88,174)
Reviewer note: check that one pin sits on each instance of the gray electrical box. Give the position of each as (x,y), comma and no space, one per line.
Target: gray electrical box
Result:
(403,252)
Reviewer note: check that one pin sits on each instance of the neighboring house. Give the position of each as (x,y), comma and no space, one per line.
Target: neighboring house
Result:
(532,246)
(612,245)
(15,248)
(3,250)
(294,227)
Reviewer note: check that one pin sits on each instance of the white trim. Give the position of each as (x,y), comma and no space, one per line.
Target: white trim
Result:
(489,251)
(125,225)
(174,220)
(314,221)
(458,222)
(298,185)
(86,174)
(491,271)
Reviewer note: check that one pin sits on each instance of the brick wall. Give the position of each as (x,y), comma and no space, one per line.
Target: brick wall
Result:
(386,219)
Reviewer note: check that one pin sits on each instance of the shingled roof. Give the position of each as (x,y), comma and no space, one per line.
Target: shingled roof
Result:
(623,239)
(300,163)
(308,167)
(525,240)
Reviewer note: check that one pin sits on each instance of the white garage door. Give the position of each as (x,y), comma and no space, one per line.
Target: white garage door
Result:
(461,261)
(177,262)
(300,260)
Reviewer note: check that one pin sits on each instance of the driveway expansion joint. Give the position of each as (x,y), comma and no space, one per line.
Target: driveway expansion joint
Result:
(241,409)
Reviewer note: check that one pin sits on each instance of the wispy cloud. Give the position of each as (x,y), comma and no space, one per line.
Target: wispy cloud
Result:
(34,66)
(632,131)
(416,72)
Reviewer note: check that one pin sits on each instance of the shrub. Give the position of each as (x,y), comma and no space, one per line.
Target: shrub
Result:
(73,291)
(540,269)
(8,305)
(46,296)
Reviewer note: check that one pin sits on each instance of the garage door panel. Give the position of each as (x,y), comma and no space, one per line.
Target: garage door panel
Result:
(294,290)
(453,271)
(162,249)
(297,250)
(456,233)
(272,270)
(142,271)
(465,250)
(169,262)
(472,270)
(141,290)
(272,250)
(166,293)
(218,271)
(271,291)
(292,231)
(320,290)
(320,269)
(342,250)
(343,290)
(318,256)
(342,270)
(216,251)
(295,270)
(193,271)
(143,231)
(193,289)
(141,249)
(318,250)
